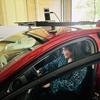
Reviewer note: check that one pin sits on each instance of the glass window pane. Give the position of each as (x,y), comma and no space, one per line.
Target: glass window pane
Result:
(85,10)
(66,54)
(16,45)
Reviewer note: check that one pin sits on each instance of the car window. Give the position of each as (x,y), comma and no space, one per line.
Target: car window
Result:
(15,46)
(66,54)
(15,49)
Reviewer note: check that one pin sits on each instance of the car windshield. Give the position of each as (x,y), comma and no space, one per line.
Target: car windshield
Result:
(16,45)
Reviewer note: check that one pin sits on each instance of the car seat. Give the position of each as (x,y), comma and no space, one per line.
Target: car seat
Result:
(87,86)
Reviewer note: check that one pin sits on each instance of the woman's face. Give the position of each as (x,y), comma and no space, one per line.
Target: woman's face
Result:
(67,53)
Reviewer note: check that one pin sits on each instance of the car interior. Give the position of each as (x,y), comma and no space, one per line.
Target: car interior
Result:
(86,87)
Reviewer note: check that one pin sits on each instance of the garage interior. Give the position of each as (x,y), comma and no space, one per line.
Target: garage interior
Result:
(23,16)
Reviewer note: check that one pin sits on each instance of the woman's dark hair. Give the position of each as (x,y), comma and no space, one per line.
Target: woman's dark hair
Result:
(68,48)
(71,49)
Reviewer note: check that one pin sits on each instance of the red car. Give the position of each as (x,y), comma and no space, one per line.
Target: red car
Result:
(33,50)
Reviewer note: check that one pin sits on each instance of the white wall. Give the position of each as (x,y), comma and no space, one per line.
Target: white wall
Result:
(53,5)
(27,10)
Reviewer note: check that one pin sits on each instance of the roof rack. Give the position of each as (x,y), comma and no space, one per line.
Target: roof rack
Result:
(50,23)
(55,24)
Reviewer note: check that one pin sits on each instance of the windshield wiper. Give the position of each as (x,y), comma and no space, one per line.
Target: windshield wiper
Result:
(7,41)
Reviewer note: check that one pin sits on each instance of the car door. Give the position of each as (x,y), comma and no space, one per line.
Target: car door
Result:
(84,50)
(93,59)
